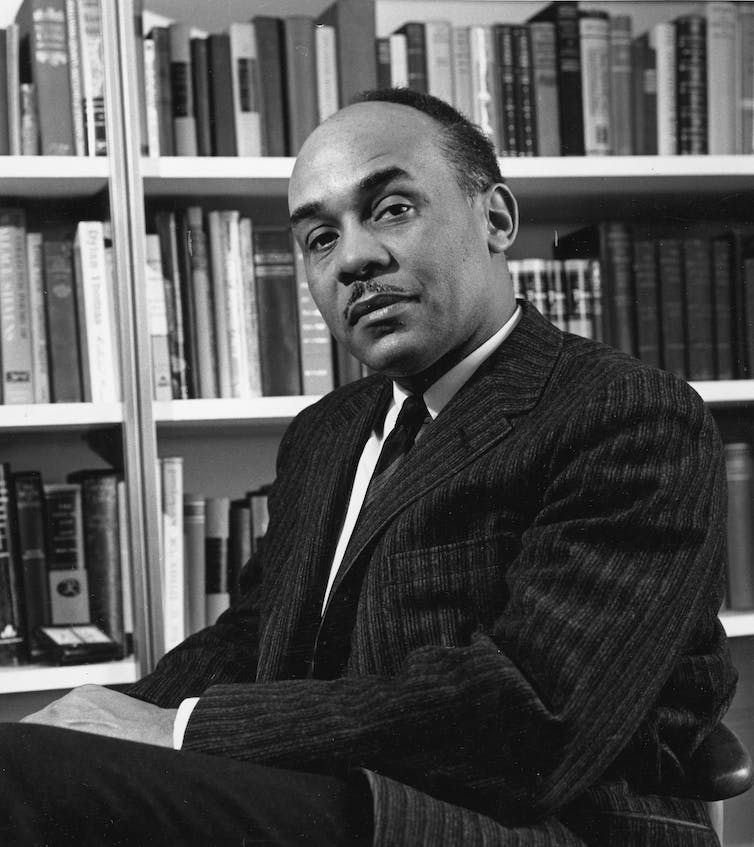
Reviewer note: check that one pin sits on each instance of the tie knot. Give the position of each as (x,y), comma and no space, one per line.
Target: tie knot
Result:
(413,413)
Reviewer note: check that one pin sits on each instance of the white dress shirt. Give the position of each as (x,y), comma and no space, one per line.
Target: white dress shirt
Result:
(436,397)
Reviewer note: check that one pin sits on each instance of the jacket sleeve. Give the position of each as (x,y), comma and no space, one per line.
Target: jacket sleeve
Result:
(619,576)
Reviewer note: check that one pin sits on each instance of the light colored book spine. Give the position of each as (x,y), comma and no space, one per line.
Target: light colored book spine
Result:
(245,86)
(91,269)
(126,562)
(173,601)
(68,582)
(722,76)
(74,67)
(219,298)
(40,366)
(112,302)
(13,82)
(544,63)
(620,83)
(201,291)
(594,37)
(194,562)
(158,321)
(235,310)
(182,90)
(29,120)
(92,76)
(579,315)
(439,59)
(314,337)
(482,85)
(246,234)
(662,41)
(746,78)
(151,97)
(15,319)
(327,70)
(461,56)
(398,60)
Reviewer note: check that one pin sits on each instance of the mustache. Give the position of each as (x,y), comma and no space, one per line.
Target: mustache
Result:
(368,286)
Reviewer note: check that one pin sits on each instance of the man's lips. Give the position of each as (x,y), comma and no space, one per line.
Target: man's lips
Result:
(372,303)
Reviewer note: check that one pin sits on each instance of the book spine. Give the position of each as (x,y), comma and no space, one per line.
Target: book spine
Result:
(398,60)
(93,76)
(5,105)
(533,284)
(644,97)
(234,303)
(722,276)
(437,40)
(327,71)
(222,111)
(194,562)
(523,85)
(620,84)
(485,108)
(167,231)
(126,568)
(160,37)
(29,120)
(697,279)
(260,515)
(239,544)
(317,375)
(503,44)
(245,88)
(219,300)
(594,37)
(722,74)
(200,86)
(556,293)
(184,279)
(15,318)
(201,292)
(62,321)
(13,647)
(74,66)
(649,343)
(746,78)
(152,97)
(739,466)
(301,77)
(579,297)
(615,257)
(416,53)
(382,46)
(91,270)
(216,556)
(670,263)
(461,58)
(173,601)
(38,320)
(662,39)
(182,90)
(354,22)
(545,84)
(271,59)
(69,591)
(251,310)
(691,74)
(158,321)
(14,90)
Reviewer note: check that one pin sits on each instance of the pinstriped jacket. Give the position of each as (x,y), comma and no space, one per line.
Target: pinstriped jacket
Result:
(522,646)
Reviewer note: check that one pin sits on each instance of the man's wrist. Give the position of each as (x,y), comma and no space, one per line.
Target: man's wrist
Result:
(181,721)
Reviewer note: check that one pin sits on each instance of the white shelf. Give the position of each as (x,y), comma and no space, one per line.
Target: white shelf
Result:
(266,410)
(725,391)
(228,175)
(52,678)
(53,176)
(42,416)
(738,623)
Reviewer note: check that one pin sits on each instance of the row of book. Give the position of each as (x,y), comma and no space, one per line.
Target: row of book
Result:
(679,298)
(574,81)
(205,543)
(230,311)
(64,558)
(58,326)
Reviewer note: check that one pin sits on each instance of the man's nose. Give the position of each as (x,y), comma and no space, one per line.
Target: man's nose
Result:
(361,254)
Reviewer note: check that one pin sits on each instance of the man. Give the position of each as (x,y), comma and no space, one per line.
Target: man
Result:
(506,636)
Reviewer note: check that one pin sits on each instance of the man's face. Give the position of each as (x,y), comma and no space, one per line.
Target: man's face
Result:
(397,257)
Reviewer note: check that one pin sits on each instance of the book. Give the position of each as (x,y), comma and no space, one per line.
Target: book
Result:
(92,76)
(644,96)
(672,305)
(315,341)
(158,321)
(382,47)
(260,515)
(219,240)
(13,646)
(620,83)
(461,69)
(239,543)
(271,63)
(68,585)
(222,117)
(398,60)
(31,546)
(99,502)
(29,120)
(251,309)
(38,319)
(663,41)
(160,38)
(416,55)
(483,82)
(697,280)
(200,85)
(194,561)
(93,296)
(565,16)
(182,90)
(15,321)
(201,297)
(739,466)
(523,90)
(245,88)
(301,79)
(438,46)
(13,86)
(66,384)
(5,105)
(173,579)
(648,307)
(354,24)
(217,514)
(502,40)
(722,76)
(184,249)
(126,567)
(594,47)
(691,70)
(722,278)
(151,97)
(545,87)
(327,71)
(745,76)
(43,41)
(277,309)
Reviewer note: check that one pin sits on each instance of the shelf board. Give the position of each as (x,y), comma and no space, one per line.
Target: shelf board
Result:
(738,623)
(53,176)
(42,416)
(228,175)
(263,410)
(54,678)
(725,391)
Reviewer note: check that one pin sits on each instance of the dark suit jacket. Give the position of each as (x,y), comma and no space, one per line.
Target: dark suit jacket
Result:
(525,641)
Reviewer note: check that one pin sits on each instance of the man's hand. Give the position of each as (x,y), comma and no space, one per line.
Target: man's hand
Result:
(91,708)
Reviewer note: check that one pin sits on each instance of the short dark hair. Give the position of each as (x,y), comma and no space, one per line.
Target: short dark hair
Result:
(468,150)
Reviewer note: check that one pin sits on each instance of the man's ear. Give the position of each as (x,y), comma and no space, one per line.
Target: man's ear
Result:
(502,218)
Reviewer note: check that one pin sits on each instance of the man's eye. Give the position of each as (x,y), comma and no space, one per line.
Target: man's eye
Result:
(393,210)
(321,241)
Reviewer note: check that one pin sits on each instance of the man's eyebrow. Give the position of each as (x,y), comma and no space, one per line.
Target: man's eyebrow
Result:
(368,183)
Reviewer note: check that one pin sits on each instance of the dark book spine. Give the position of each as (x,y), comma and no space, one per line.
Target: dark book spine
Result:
(5,101)
(276,299)
(354,23)
(722,277)
(239,544)
(216,556)
(161,37)
(740,472)
(194,562)
(13,647)
(670,263)
(649,343)
(62,321)
(645,97)
(619,301)
(526,129)
(200,82)
(69,593)
(185,243)
(272,73)
(166,229)
(416,49)
(382,48)
(222,112)
(301,79)
(99,497)
(545,82)
(697,278)
(691,83)
(503,41)
(182,91)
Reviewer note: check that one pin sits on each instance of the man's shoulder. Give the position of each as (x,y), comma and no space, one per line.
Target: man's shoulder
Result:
(341,400)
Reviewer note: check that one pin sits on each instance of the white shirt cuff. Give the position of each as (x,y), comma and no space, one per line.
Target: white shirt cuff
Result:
(181,721)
